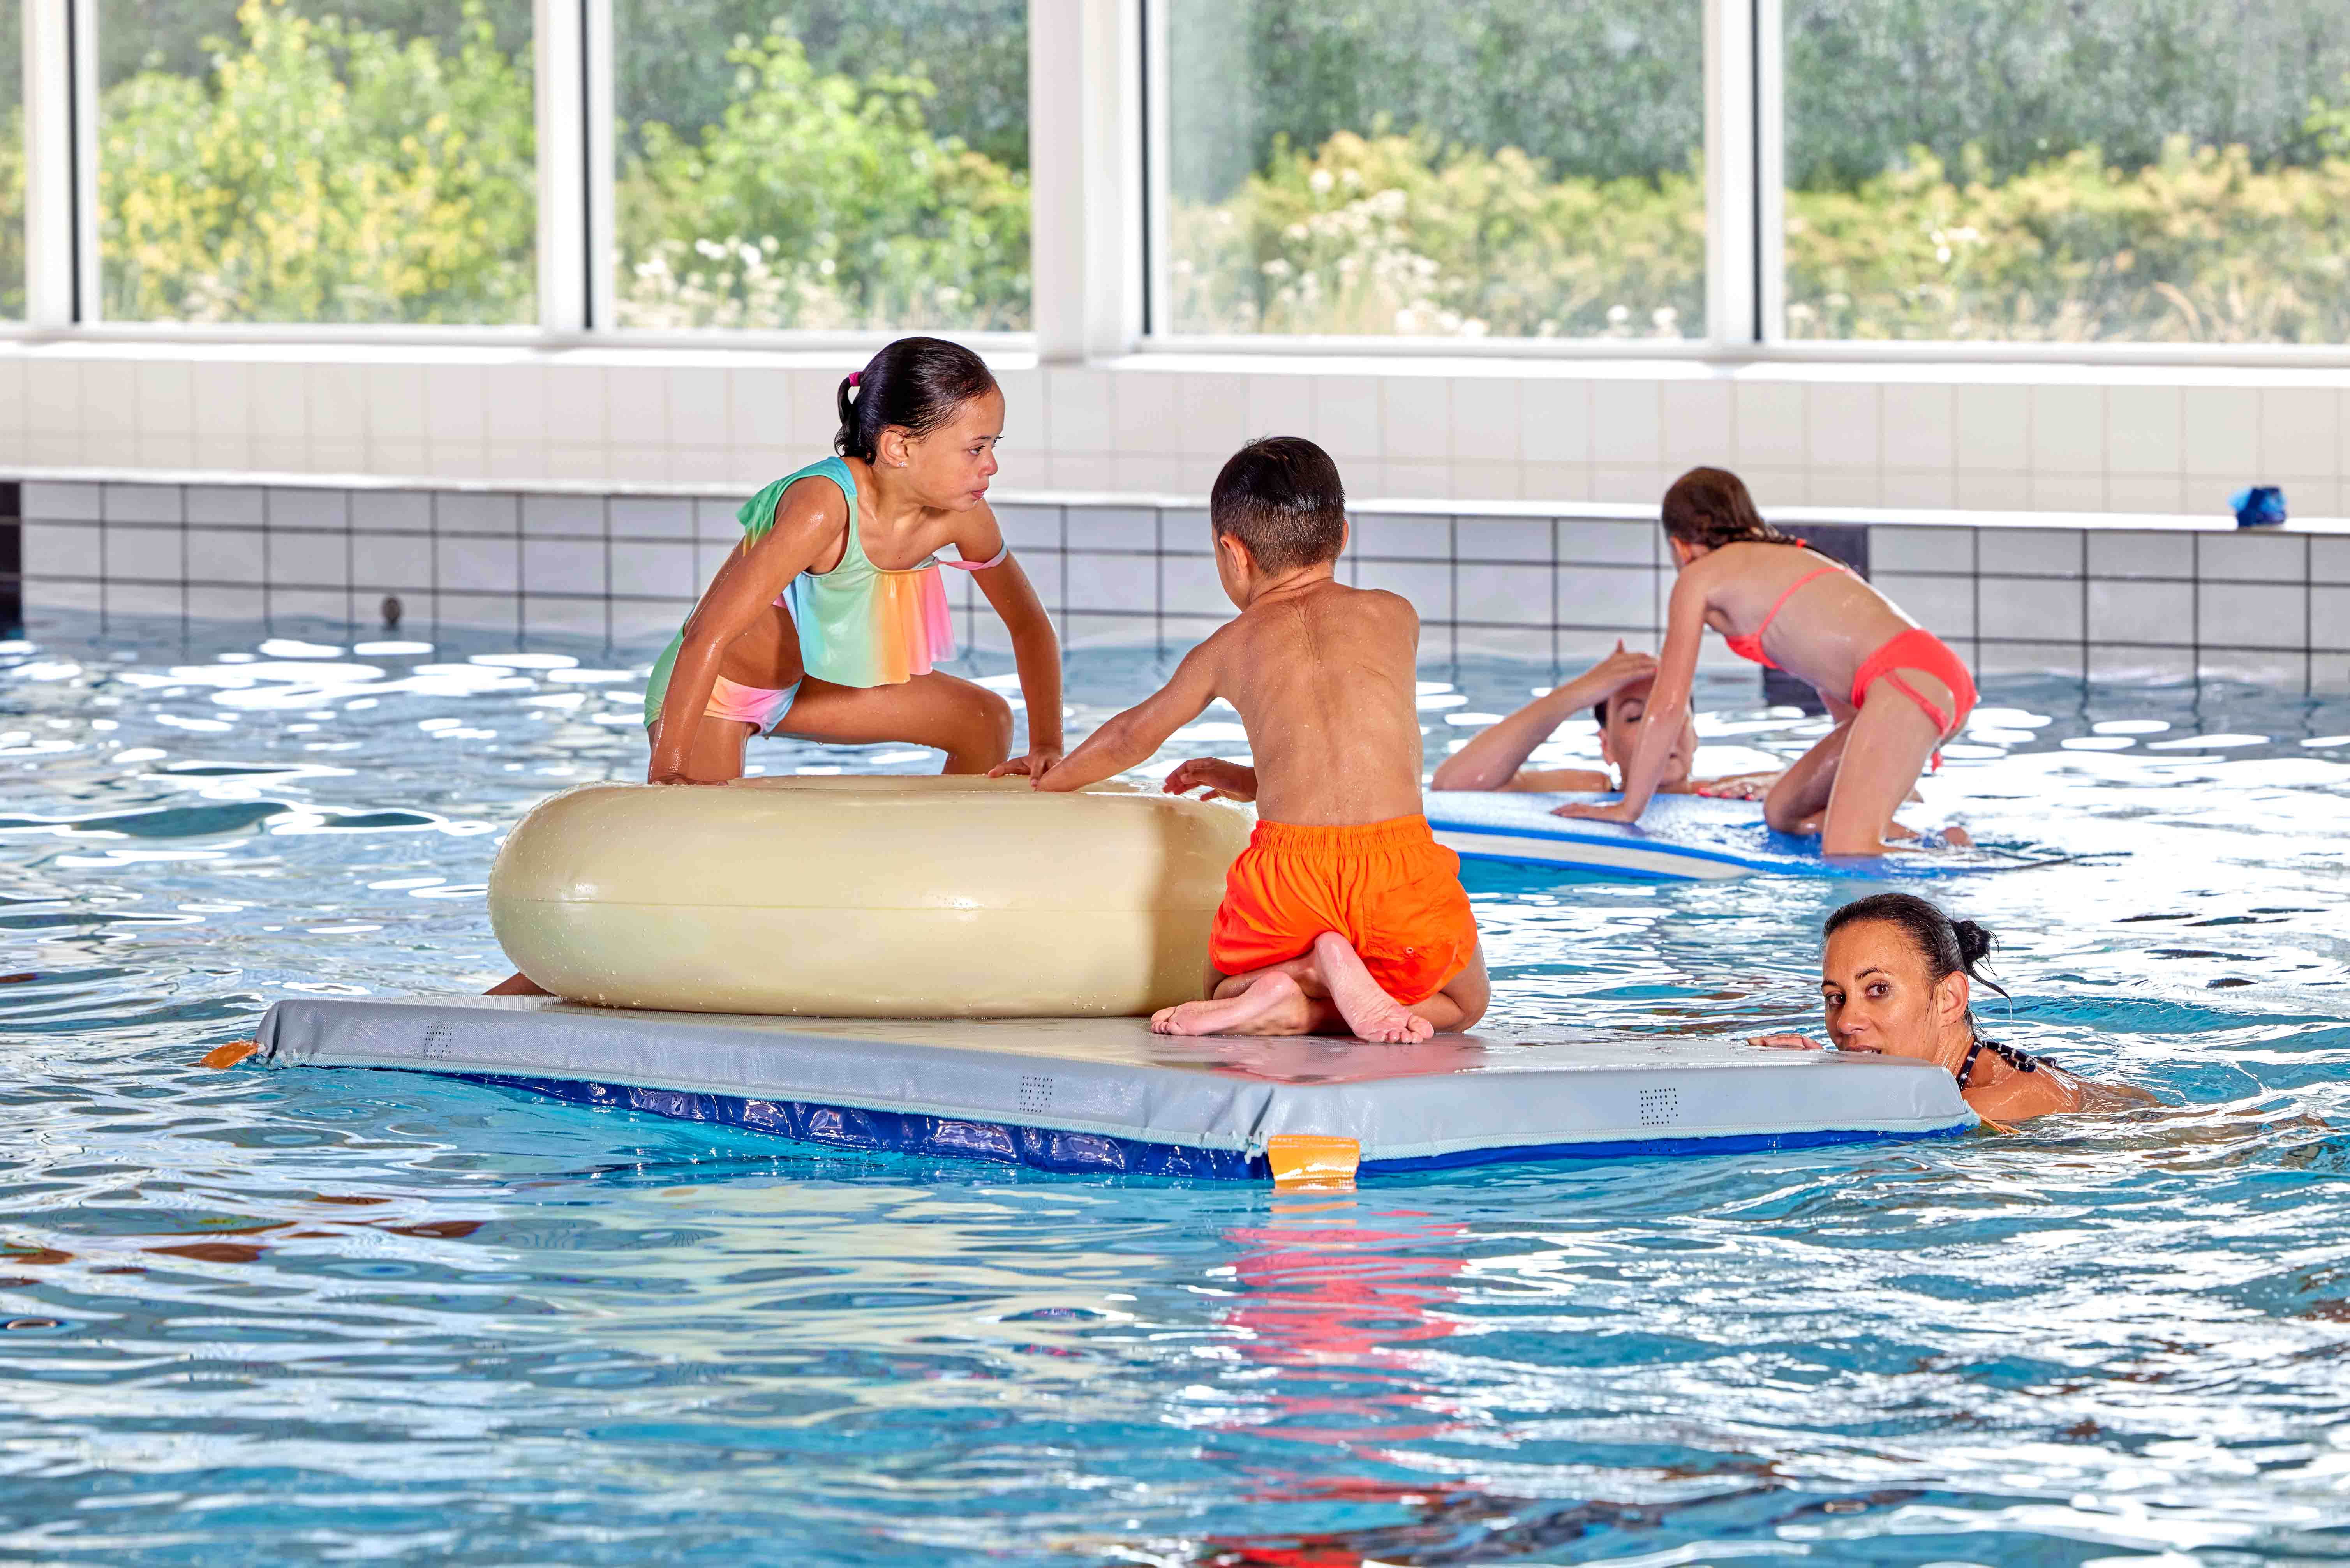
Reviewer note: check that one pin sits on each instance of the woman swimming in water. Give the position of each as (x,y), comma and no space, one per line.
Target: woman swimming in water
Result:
(1894,689)
(1898,975)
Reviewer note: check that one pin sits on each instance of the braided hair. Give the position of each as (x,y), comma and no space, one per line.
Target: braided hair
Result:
(1710,507)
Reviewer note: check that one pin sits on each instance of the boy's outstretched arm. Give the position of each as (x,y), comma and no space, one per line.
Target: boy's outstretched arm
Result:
(1132,736)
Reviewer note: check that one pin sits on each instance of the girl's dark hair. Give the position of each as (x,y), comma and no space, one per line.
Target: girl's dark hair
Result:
(916,382)
(1711,507)
(1949,947)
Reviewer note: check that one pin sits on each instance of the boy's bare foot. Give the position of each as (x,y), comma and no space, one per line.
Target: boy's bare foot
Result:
(1369,1012)
(1273,1005)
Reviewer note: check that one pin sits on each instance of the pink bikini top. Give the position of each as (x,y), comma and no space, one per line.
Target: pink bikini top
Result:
(1751,646)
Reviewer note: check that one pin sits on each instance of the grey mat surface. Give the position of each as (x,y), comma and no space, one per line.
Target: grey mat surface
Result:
(1449,1100)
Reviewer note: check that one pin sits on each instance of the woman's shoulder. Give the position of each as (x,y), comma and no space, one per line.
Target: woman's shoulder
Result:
(2015,1093)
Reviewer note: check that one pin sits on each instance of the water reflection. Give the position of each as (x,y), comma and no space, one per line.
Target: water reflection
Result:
(309,1317)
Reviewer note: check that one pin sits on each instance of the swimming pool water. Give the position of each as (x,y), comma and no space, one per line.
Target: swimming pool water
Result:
(322,1316)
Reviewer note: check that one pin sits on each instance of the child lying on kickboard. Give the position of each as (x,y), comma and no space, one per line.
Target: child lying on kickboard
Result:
(1343,915)
(1616,690)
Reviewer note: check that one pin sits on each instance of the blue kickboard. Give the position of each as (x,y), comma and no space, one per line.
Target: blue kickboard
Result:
(1679,838)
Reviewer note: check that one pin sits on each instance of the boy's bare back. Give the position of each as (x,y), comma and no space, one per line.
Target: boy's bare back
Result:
(1323,677)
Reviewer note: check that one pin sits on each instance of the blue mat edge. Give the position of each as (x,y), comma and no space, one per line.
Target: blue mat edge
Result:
(1078,1153)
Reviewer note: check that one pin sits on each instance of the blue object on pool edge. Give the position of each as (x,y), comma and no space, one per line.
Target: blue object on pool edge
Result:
(2258,507)
(1679,838)
(1108,1096)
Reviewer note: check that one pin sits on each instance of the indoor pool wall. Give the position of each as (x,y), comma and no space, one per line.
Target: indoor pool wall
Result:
(2093,597)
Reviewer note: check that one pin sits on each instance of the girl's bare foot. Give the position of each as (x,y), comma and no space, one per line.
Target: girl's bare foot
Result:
(1273,1005)
(1369,1012)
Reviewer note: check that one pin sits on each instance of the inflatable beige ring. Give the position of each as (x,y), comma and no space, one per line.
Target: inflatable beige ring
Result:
(867,896)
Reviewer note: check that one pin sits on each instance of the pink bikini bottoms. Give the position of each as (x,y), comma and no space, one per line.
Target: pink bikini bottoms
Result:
(757,706)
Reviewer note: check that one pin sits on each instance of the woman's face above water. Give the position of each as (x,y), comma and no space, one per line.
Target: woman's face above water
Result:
(1878,995)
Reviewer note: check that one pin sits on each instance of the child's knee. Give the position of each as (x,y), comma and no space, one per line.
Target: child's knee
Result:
(982,733)
(989,724)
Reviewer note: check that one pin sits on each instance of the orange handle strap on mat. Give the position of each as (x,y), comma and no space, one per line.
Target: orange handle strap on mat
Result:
(230,1054)
(1312,1162)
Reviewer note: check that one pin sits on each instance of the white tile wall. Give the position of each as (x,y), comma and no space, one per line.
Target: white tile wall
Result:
(2141,612)
(307,560)
(2144,602)
(2251,615)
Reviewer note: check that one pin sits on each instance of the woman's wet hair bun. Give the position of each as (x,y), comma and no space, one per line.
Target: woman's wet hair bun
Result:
(918,383)
(1974,944)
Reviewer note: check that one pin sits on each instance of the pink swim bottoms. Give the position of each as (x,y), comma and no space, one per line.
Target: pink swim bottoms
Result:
(757,706)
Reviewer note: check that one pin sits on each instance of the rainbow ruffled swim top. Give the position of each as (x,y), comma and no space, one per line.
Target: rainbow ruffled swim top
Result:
(859,625)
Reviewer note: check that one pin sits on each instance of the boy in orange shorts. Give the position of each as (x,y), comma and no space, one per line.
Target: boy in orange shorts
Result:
(1343,914)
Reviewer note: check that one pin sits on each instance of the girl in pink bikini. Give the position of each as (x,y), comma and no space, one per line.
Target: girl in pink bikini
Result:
(1894,689)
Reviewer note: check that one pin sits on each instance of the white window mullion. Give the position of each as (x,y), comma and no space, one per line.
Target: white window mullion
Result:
(1085,176)
(1771,168)
(60,86)
(599,153)
(1734,261)
(559,43)
(1159,188)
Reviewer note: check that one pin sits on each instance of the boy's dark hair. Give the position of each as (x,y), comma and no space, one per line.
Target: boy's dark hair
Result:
(1711,507)
(920,383)
(1282,497)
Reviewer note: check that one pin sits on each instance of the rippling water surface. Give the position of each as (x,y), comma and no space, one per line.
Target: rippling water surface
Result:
(317,1316)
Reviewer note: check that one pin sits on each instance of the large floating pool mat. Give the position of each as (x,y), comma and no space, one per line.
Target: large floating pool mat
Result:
(1679,838)
(1106,1095)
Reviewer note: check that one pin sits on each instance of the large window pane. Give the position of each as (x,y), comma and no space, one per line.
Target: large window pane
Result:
(330,160)
(12,160)
(1516,167)
(2166,170)
(841,164)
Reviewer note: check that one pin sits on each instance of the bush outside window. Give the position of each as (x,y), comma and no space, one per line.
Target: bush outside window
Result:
(301,160)
(1491,168)
(2023,170)
(819,164)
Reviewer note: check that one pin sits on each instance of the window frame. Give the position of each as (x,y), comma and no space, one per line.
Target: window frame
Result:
(1097,146)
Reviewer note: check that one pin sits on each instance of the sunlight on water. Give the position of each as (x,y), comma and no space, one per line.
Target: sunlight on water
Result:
(314,1316)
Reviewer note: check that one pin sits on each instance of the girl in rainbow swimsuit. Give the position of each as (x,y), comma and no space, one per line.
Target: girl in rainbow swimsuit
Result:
(827,621)
(1895,689)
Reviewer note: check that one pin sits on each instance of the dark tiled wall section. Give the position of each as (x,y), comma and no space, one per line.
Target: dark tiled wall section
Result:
(11,555)
(2116,604)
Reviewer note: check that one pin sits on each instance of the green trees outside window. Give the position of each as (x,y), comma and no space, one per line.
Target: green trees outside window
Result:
(311,167)
(822,164)
(1512,168)
(1991,170)
(2130,170)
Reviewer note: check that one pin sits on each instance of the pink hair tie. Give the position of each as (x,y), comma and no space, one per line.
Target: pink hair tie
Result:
(853,375)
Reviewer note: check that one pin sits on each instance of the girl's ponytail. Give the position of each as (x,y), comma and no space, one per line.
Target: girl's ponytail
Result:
(916,383)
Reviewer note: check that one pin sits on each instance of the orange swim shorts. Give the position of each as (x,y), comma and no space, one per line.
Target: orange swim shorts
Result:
(1388,888)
